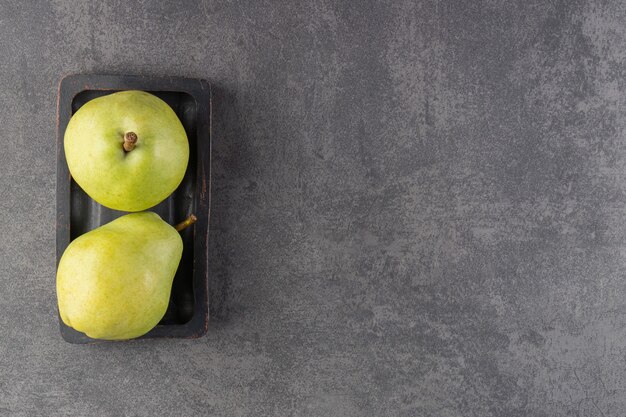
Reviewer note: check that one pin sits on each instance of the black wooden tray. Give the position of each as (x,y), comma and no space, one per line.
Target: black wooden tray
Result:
(187,315)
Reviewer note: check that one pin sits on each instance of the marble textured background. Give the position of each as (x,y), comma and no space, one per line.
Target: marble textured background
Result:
(419,208)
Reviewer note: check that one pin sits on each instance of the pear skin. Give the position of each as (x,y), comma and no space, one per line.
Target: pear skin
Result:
(114,282)
(127,150)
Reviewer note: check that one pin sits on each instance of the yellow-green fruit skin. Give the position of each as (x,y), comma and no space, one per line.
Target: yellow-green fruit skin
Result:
(126,181)
(114,282)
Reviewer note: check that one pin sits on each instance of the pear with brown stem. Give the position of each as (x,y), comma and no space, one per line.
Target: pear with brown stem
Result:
(114,282)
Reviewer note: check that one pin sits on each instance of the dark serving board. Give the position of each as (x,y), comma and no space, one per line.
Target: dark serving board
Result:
(188,314)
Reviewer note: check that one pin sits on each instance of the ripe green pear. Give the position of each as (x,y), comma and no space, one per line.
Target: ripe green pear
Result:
(127,150)
(114,282)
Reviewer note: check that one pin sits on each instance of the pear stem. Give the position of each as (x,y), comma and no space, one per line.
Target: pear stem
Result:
(130,139)
(186,223)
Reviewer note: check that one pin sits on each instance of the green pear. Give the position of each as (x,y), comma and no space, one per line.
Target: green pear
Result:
(114,282)
(127,150)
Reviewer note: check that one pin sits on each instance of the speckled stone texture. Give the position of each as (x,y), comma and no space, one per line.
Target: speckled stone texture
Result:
(419,208)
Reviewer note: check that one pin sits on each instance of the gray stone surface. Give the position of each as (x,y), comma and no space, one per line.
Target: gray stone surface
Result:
(419,208)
